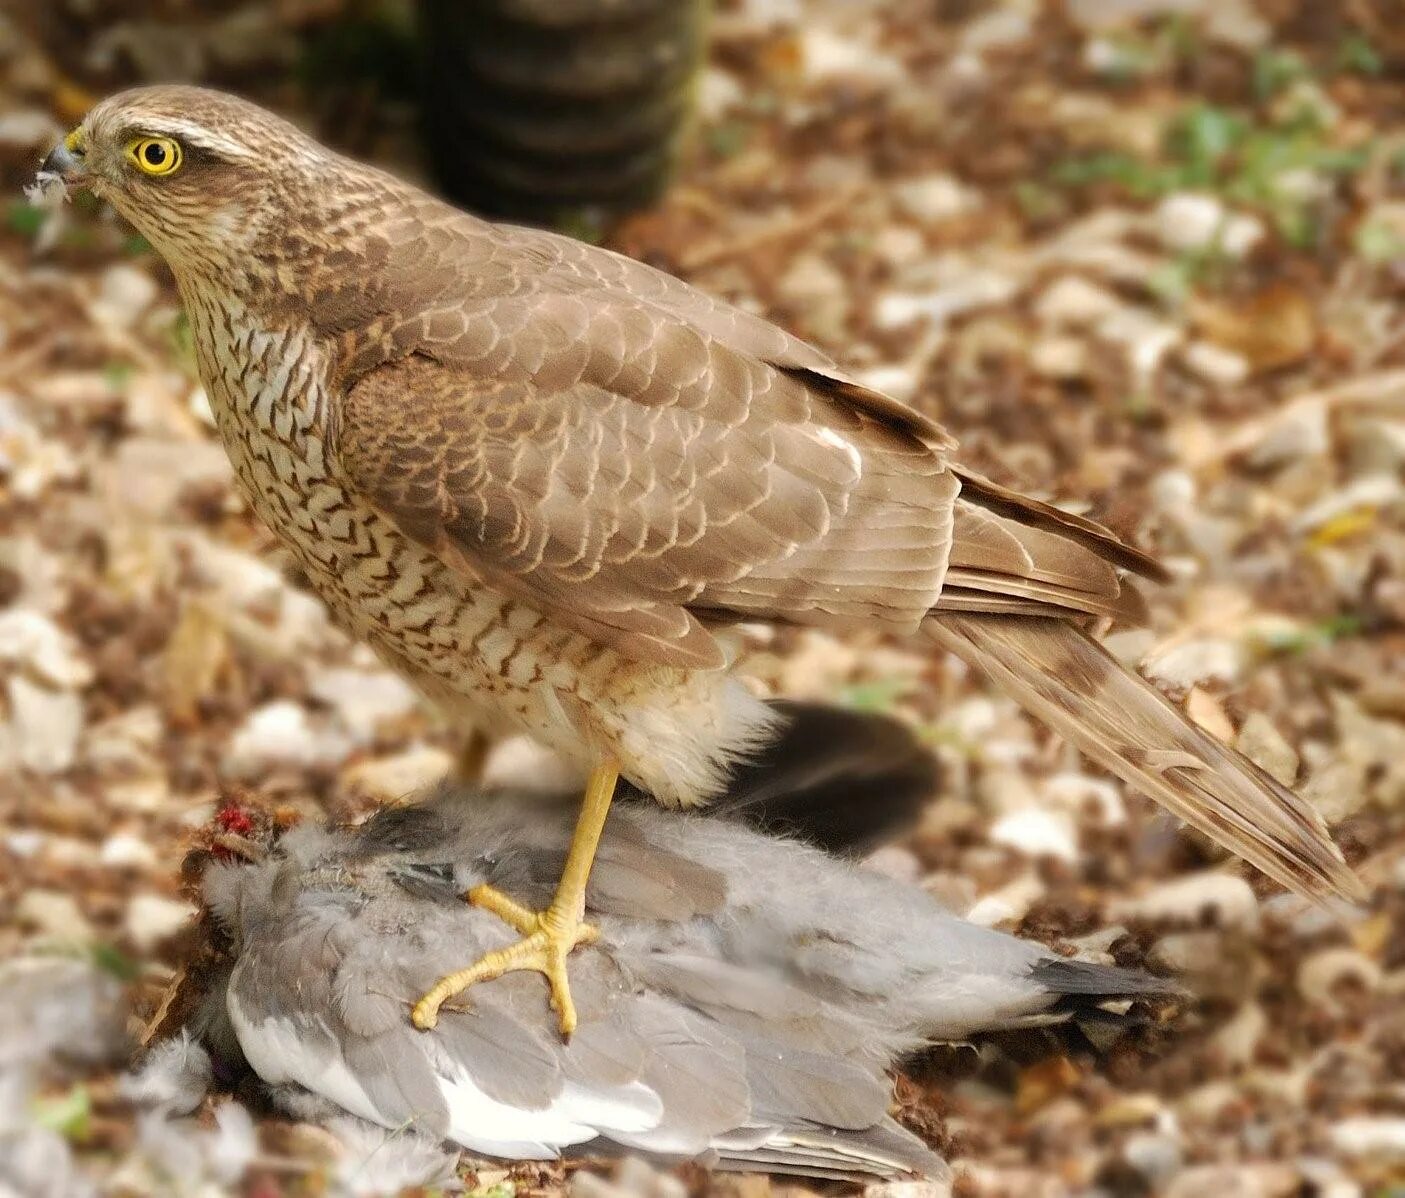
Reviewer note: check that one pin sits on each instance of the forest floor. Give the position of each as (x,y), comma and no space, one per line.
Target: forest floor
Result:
(1144,258)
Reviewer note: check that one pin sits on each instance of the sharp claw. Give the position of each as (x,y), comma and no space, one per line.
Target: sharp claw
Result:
(546,942)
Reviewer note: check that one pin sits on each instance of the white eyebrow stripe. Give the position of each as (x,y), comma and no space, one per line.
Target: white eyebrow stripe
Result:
(196,135)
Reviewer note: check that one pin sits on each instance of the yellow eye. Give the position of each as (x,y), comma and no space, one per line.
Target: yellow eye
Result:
(155,155)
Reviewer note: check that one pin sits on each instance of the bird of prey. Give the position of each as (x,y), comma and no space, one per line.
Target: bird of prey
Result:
(741,1003)
(540,479)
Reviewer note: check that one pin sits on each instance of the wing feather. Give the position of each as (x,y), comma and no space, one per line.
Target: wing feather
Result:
(623,516)
(635,460)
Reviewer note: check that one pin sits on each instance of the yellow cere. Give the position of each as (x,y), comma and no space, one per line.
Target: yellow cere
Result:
(155,155)
(73,143)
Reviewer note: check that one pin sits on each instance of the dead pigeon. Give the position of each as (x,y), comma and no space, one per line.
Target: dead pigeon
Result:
(741,1005)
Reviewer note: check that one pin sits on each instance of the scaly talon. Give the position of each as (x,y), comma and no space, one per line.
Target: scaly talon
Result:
(547,936)
(490,898)
(546,942)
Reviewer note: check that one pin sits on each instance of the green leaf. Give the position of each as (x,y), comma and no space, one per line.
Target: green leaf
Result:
(763,104)
(68,1114)
(1172,281)
(1343,624)
(728,139)
(1378,242)
(1275,69)
(501,1189)
(112,960)
(1298,640)
(1138,405)
(1205,267)
(1039,202)
(944,736)
(24,218)
(1201,138)
(1357,55)
(1300,225)
(117,375)
(878,696)
(1131,59)
(1144,180)
(1183,37)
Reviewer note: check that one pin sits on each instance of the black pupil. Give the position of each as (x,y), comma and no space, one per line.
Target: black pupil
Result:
(154,154)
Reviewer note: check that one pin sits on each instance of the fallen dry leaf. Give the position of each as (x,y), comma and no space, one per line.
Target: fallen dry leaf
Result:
(1273,328)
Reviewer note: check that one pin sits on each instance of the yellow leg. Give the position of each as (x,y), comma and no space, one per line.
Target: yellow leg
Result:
(547,936)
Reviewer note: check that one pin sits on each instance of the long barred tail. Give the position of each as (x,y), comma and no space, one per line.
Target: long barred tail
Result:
(1059,674)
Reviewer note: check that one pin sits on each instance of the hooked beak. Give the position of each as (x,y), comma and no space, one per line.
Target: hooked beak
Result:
(66,159)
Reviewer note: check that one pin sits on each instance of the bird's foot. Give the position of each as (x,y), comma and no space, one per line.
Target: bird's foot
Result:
(547,940)
(547,936)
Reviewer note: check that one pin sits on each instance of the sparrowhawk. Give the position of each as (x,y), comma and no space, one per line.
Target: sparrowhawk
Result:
(541,479)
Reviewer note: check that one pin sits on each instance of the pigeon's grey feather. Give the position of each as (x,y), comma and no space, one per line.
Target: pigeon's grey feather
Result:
(176,1075)
(823,1152)
(1075,979)
(517,1065)
(746,999)
(742,1004)
(699,1072)
(791,1083)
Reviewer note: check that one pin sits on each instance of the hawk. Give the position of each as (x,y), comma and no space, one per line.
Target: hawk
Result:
(540,479)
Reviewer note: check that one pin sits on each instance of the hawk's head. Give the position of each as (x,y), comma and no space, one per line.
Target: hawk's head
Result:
(200,174)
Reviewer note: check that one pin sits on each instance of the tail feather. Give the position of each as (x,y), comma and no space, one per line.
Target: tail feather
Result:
(1088,993)
(884,1150)
(1102,983)
(845,781)
(1059,674)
